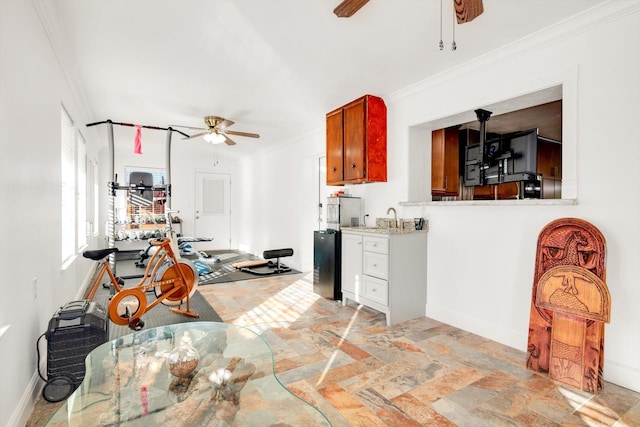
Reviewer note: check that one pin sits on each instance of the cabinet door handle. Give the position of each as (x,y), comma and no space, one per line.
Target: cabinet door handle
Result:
(353,165)
(334,169)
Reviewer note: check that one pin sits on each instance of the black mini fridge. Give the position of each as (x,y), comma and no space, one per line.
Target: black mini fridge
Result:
(326,264)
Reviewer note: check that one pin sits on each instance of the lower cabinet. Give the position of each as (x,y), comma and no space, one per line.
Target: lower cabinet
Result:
(386,272)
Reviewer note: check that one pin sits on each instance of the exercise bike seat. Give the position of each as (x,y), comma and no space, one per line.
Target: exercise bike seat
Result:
(98,254)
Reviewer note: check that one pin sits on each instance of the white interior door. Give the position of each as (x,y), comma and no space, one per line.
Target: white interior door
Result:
(213,211)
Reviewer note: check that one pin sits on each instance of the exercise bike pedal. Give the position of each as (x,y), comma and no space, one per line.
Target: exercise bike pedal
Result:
(136,324)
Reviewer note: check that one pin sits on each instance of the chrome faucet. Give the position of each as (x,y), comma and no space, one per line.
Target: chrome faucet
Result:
(395,215)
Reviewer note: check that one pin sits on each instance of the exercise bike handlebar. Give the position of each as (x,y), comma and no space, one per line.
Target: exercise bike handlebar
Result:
(159,241)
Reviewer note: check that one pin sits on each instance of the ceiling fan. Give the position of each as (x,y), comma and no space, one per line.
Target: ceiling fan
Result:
(216,131)
(466,10)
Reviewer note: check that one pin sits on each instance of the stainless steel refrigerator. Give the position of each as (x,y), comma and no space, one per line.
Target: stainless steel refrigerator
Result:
(326,264)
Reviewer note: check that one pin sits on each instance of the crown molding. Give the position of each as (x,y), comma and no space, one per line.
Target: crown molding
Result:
(568,28)
(60,44)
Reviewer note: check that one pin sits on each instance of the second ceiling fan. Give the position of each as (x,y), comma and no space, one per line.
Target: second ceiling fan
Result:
(466,10)
(217,132)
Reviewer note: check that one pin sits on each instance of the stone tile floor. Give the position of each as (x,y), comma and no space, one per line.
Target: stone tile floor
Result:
(359,372)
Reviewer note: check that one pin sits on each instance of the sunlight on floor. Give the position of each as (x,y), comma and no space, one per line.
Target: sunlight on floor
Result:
(280,310)
(335,352)
(286,307)
(589,411)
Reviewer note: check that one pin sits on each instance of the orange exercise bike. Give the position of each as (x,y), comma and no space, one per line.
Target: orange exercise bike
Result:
(174,281)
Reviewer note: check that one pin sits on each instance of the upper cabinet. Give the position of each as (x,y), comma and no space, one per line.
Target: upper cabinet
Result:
(334,148)
(444,162)
(550,168)
(357,142)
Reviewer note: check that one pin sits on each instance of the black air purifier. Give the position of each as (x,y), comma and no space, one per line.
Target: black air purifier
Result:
(75,329)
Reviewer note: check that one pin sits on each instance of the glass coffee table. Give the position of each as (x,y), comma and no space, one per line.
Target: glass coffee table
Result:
(145,379)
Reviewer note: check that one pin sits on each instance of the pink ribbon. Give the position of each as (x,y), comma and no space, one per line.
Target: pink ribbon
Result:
(137,148)
(144,399)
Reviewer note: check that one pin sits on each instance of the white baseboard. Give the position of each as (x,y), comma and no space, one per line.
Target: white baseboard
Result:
(488,330)
(621,374)
(27,401)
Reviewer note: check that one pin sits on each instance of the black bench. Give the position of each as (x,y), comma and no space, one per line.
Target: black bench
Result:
(274,267)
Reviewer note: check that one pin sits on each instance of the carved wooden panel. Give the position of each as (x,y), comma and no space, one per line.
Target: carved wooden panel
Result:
(569,303)
(575,296)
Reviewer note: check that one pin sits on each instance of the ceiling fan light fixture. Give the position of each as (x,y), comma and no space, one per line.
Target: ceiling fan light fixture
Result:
(214,138)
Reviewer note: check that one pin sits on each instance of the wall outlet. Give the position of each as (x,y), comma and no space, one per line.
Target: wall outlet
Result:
(35,288)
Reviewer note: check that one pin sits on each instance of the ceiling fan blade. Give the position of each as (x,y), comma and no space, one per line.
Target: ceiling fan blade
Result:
(250,135)
(348,8)
(228,140)
(467,10)
(197,135)
(224,124)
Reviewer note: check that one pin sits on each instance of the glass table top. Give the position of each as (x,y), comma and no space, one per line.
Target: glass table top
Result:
(143,379)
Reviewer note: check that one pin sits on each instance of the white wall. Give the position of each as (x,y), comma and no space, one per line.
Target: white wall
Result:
(481,258)
(32,88)
(280,199)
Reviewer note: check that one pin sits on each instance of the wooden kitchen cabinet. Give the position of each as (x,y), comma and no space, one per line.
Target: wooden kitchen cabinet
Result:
(549,159)
(334,148)
(444,162)
(550,167)
(507,190)
(386,272)
(357,142)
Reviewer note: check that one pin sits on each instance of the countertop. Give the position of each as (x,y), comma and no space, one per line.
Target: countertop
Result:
(384,230)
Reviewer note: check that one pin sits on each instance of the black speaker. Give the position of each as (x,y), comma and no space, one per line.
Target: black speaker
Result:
(75,329)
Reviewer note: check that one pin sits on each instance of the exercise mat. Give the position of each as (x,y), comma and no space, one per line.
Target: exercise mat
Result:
(222,269)
(159,315)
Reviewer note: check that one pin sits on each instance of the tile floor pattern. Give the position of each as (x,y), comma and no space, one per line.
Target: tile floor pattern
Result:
(359,372)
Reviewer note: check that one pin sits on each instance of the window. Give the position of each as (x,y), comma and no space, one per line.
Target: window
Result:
(81,191)
(93,195)
(68,182)
(73,169)
(140,210)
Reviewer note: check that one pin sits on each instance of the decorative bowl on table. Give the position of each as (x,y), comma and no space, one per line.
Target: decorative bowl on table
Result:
(183,359)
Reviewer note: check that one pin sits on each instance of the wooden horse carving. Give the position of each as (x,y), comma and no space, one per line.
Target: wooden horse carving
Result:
(569,304)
